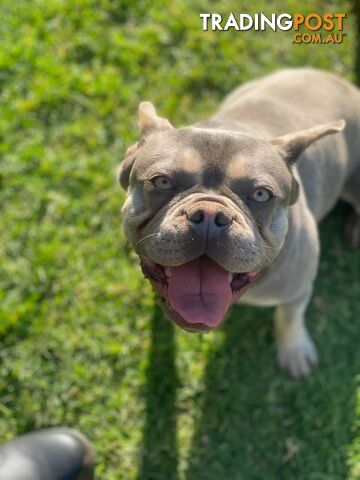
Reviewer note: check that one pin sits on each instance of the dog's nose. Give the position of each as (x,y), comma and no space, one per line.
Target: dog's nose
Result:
(209,218)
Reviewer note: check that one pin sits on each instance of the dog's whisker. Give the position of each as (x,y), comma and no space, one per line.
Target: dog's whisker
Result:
(147,236)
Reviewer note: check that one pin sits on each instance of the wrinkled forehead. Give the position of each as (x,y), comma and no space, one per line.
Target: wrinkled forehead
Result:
(211,157)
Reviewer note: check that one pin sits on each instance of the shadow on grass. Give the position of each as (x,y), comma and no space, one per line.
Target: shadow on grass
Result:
(257,423)
(159,449)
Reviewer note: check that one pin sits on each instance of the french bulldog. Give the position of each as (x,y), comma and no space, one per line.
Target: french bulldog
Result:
(226,210)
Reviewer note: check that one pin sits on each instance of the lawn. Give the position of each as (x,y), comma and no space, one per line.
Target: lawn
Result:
(83,343)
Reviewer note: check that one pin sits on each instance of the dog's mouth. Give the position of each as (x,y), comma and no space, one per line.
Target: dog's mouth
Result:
(197,294)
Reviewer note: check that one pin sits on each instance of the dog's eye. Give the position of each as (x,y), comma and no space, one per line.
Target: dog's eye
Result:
(261,195)
(162,183)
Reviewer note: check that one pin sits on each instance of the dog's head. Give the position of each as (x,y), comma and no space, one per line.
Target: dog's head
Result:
(207,211)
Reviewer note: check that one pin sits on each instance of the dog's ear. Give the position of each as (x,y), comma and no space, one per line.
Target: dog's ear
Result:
(126,165)
(293,144)
(149,120)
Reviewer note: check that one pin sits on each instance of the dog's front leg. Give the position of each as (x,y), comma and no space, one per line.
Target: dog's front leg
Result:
(296,352)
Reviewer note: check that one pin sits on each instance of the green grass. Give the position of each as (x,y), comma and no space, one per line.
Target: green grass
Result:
(82,341)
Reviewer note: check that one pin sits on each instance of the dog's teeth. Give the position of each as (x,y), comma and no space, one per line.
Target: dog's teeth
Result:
(167,271)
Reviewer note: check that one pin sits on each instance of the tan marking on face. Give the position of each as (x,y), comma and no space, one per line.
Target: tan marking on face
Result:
(236,168)
(190,161)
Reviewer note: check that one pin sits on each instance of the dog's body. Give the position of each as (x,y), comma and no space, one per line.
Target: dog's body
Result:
(220,210)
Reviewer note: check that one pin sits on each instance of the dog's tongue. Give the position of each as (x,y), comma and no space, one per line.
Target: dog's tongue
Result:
(200,291)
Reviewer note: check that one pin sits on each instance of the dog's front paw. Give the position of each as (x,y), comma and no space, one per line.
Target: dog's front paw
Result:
(296,353)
